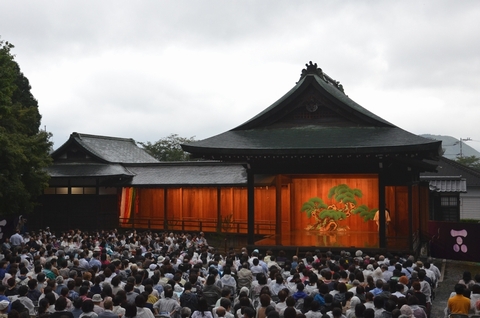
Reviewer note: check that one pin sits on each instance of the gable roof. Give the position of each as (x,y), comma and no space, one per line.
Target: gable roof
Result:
(101,149)
(314,118)
(448,169)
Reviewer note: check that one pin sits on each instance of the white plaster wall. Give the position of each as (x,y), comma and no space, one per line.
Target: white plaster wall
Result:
(470,204)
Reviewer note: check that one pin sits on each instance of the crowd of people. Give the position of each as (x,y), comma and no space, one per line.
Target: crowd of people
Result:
(147,274)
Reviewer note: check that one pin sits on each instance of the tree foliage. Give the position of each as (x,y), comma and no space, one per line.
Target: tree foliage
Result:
(24,149)
(344,194)
(168,148)
(470,161)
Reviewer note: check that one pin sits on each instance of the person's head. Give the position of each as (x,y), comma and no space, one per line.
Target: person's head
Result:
(50,296)
(467,277)
(82,291)
(202,304)
(290,312)
(369,313)
(130,310)
(248,312)
(476,289)
(359,310)
(185,312)
(378,302)
(337,312)
(211,279)
(265,300)
(87,306)
(342,288)
(390,305)
(61,303)
(416,286)
(22,290)
(168,292)
(459,289)
(77,303)
(226,303)
(108,303)
(221,311)
(140,301)
(290,301)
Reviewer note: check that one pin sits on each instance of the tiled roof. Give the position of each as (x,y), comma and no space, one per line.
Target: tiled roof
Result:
(86,170)
(317,80)
(446,184)
(313,140)
(449,168)
(188,173)
(315,117)
(107,149)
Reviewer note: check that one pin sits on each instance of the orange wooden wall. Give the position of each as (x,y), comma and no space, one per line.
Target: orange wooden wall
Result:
(207,204)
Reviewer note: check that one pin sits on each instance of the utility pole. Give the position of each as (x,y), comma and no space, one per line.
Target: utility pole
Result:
(463,139)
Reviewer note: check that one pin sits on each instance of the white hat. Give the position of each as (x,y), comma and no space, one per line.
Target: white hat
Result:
(4,304)
(178,289)
(160,259)
(97,298)
(153,267)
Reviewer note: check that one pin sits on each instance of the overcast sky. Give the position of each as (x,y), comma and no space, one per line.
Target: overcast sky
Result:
(146,69)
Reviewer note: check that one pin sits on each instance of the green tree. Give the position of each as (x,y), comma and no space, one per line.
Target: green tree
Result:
(470,161)
(24,149)
(168,148)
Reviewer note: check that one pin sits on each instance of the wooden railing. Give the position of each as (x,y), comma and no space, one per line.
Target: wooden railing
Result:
(204,225)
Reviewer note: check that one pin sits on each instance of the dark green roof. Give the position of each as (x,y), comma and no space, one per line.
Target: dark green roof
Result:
(314,118)
(313,140)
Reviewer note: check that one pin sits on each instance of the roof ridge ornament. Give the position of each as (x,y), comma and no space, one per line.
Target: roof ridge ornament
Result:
(312,68)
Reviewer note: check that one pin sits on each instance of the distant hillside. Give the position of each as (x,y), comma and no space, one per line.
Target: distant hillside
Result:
(451,146)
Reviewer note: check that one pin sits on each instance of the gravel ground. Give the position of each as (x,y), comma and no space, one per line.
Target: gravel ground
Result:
(452,272)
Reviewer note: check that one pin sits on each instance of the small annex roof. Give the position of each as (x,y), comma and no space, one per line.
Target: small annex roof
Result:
(83,170)
(314,118)
(191,173)
(102,149)
(448,169)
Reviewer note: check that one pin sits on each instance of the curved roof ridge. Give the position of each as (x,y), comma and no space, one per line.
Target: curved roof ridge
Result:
(310,76)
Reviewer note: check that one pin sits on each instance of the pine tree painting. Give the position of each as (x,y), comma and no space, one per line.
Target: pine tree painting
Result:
(327,216)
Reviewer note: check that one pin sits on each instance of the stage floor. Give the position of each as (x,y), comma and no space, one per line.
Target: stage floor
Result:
(348,239)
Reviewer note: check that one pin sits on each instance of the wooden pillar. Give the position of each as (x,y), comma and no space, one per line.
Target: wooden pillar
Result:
(250,206)
(410,217)
(381,208)
(165,208)
(219,210)
(278,209)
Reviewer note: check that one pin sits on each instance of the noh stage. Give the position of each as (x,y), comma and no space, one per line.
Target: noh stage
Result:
(335,165)
(368,240)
